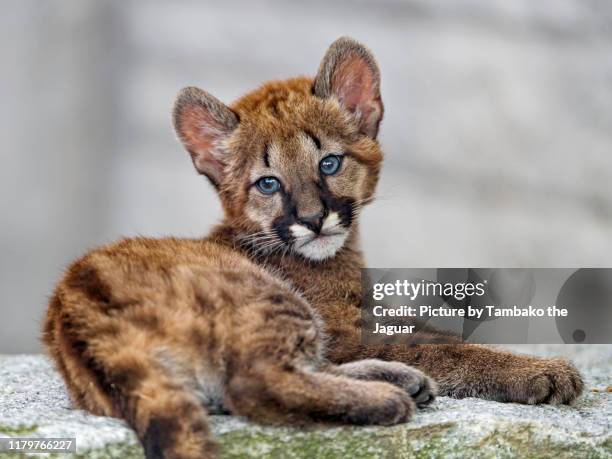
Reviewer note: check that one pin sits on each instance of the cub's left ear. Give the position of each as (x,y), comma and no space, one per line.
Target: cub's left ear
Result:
(350,73)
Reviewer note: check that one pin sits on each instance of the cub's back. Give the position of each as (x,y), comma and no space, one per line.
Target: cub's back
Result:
(150,292)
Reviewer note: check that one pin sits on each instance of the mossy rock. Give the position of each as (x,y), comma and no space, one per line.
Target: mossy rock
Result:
(33,403)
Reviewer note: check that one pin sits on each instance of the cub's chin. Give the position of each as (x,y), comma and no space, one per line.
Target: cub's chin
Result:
(321,247)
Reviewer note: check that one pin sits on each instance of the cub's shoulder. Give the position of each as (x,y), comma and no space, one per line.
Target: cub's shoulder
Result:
(131,264)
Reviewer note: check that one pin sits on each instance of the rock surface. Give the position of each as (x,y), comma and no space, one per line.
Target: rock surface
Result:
(33,402)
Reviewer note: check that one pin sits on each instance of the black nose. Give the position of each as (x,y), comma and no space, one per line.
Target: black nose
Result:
(313,222)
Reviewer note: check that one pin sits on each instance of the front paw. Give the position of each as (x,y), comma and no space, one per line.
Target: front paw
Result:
(384,405)
(553,381)
(515,378)
(419,386)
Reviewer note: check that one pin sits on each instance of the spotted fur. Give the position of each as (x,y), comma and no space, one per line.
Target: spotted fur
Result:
(261,318)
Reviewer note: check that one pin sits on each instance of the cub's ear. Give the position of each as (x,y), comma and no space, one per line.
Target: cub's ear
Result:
(203,124)
(350,73)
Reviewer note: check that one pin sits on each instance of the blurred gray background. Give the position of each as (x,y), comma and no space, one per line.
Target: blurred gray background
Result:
(498,128)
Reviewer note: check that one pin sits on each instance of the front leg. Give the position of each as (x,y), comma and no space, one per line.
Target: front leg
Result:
(469,370)
(465,370)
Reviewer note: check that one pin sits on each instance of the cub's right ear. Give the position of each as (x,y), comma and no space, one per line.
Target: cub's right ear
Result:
(203,124)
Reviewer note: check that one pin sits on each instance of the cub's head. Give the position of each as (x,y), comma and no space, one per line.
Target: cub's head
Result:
(293,161)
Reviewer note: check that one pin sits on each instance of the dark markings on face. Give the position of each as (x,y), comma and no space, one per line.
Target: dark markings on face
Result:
(344,206)
(281,224)
(314,138)
(266,156)
(329,202)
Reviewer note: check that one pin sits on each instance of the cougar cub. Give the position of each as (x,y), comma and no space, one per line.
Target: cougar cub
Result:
(261,318)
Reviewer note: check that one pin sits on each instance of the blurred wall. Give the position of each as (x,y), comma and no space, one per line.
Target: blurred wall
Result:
(498,128)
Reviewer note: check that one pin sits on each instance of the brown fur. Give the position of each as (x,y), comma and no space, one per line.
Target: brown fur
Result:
(162,331)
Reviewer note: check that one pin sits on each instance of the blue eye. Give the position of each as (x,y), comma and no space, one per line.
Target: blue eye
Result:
(268,185)
(330,164)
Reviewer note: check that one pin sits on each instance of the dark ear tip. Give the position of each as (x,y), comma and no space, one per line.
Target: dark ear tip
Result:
(344,46)
(194,96)
(186,96)
(340,50)
(346,42)
(189,93)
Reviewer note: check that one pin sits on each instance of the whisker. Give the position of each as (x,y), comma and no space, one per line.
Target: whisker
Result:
(268,247)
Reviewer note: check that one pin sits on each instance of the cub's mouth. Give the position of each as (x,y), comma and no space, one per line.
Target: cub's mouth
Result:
(322,244)
(314,243)
(316,238)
